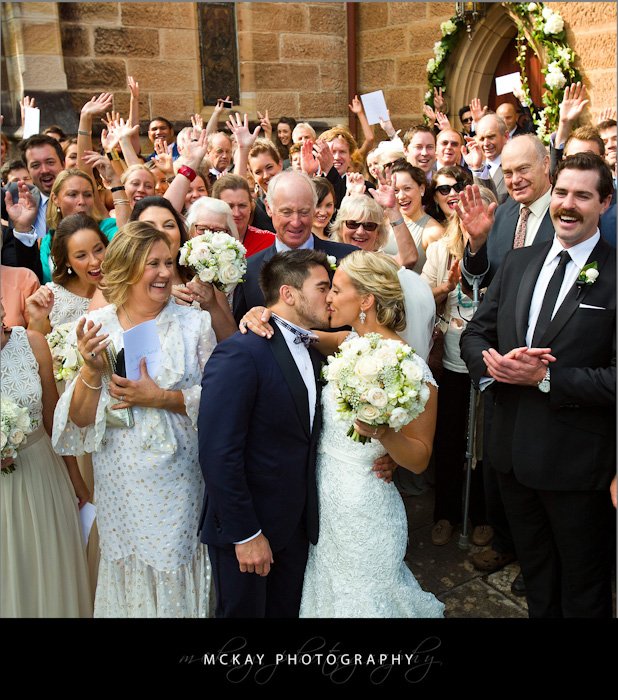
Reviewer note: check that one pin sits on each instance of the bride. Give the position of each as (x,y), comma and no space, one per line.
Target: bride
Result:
(357,568)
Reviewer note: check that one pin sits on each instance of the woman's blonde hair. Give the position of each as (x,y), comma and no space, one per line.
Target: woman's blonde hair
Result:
(454,234)
(359,207)
(135,167)
(125,259)
(54,215)
(376,274)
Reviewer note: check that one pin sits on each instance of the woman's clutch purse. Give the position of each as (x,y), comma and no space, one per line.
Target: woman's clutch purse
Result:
(117,417)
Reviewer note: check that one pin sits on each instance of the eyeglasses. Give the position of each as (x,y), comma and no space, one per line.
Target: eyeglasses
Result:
(467,120)
(445,189)
(200,229)
(367,225)
(389,165)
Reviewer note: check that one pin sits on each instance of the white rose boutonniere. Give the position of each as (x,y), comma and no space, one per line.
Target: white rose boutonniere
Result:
(588,275)
(332,262)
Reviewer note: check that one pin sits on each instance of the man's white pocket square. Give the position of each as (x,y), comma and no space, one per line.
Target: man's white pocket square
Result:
(588,306)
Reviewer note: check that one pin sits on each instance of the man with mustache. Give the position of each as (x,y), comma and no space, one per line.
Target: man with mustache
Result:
(545,337)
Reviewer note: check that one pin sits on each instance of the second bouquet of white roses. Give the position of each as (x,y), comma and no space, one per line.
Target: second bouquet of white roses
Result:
(216,257)
(15,425)
(64,355)
(378,381)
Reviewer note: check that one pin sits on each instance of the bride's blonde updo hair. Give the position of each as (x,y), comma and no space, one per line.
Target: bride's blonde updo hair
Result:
(376,273)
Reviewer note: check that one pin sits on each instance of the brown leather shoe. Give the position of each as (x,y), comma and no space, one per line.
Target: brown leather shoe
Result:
(489,560)
(441,533)
(482,535)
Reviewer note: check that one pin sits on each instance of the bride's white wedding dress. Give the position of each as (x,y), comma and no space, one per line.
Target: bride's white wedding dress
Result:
(357,569)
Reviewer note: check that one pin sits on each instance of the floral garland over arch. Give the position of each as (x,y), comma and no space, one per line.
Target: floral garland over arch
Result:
(539,27)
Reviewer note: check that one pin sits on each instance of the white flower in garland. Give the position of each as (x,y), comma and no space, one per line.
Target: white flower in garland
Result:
(555,77)
(448,27)
(532,7)
(428,95)
(547,13)
(439,51)
(554,24)
(565,55)
(431,65)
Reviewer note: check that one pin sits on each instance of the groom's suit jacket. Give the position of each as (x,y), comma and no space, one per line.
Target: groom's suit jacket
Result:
(248,294)
(257,450)
(563,440)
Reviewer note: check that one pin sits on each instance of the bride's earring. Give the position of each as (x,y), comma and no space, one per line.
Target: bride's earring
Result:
(69,271)
(362,316)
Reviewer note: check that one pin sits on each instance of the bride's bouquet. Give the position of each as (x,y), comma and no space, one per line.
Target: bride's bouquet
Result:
(64,355)
(216,257)
(377,381)
(14,428)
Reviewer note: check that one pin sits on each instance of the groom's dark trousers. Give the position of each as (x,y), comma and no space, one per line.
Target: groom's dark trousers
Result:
(257,453)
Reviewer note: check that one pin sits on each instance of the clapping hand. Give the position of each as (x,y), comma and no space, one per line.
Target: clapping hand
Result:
(244,137)
(23,212)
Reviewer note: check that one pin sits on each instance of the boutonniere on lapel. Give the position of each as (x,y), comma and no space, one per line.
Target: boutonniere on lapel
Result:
(332,262)
(587,275)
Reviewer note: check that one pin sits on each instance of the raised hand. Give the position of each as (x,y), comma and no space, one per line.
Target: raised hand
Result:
(443,121)
(476,217)
(573,102)
(26,102)
(355,184)
(385,194)
(430,114)
(477,110)
(195,149)
(101,163)
(244,137)
(607,113)
(197,122)
(91,346)
(40,304)
(98,105)
(109,139)
(356,106)
(308,162)
(23,212)
(439,102)
(111,119)
(387,125)
(472,153)
(163,157)
(324,155)
(453,276)
(219,106)
(133,86)
(125,130)
(267,127)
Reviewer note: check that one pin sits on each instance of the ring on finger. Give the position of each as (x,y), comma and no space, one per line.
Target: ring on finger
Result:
(93,355)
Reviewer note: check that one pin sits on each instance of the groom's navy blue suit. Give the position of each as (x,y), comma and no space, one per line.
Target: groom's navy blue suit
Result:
(257,453)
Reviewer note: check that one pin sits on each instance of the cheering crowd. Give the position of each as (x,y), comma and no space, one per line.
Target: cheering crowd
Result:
(490,254)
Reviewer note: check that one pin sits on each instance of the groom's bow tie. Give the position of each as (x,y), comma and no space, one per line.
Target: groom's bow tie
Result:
(300,335)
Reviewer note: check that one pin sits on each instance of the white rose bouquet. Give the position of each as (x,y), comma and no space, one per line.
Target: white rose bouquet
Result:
(216,257)
(14,427)
(377,381)
(64,354)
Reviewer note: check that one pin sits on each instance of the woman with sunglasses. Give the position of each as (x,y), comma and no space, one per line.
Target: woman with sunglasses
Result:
(446,184)
(410,189)
(454,310)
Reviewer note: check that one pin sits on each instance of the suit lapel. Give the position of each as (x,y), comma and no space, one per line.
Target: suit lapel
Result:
(525,292)
(573,299)
(292,377)
(316,361)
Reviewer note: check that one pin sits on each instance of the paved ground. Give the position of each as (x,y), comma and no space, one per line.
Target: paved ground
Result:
(447,572)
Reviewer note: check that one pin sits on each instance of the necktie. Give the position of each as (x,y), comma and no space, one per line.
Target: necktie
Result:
(520,231)
(40,225)
(551,296)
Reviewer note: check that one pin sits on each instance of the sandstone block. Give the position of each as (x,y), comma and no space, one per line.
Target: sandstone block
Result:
(595,50)
(423,35)
(322,104)
(76,40)
(404,100)
(372,15)
(585,14)
(163,75)
(122,101)
(43,73)
(327,20)
(412,71)
(380,43)
(179,43)
(271,76)
(278,103)
(443,10)
(302,48)
(103,74)
(159,14)
(375,74)
(280,17)
(258,46)
(404,12)
(126,42)
(333,76)
(41,38)
(38,9)
(83,11)
(175,106)
(303,77)
(79,99)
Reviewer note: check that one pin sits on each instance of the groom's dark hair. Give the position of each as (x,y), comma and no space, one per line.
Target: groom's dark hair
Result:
(291,267)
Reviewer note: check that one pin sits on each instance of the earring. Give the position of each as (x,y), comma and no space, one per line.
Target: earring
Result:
(69,271)
(362,316)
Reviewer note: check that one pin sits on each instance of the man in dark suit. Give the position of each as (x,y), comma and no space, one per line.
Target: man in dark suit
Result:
(546,335)
(291,202)
(258,426)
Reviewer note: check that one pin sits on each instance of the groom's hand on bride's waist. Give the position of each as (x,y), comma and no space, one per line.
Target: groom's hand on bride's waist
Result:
(384,467)
(255,556)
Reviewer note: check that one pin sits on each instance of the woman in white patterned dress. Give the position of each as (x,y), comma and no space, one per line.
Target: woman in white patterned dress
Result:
(42,556)
(147,478)
(357,568)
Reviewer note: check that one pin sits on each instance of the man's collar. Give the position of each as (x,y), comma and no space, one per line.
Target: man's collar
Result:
(307,245)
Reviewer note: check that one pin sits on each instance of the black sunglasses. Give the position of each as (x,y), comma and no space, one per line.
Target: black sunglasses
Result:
(367,225)
(445,189)
(467,120)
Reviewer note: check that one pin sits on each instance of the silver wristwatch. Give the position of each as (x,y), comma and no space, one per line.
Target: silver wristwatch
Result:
(544,383)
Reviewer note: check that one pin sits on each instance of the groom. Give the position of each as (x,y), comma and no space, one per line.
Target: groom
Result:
(258,426)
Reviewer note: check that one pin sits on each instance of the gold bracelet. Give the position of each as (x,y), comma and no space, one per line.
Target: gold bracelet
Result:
(120,201)
(94,388)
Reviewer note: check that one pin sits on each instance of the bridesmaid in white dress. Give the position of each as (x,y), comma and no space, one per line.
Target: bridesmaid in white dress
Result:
(42,556)
(148,481)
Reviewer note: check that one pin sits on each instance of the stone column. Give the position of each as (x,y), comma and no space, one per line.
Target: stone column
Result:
(32,50)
